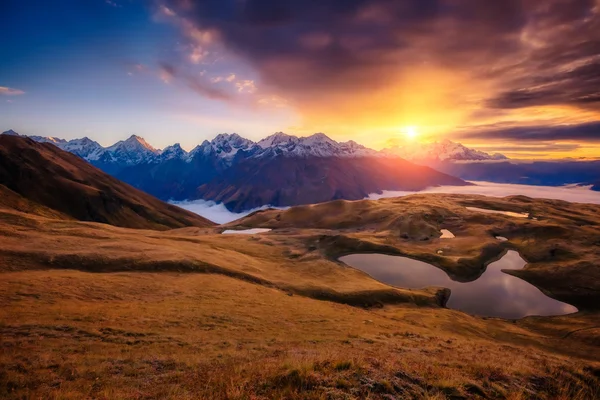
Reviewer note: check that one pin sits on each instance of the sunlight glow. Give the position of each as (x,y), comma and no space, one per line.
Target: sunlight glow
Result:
(410,132)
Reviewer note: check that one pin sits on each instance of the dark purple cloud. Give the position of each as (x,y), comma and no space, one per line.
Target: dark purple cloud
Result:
(532,148)
(543,50)
(198,84)
(362,42)
(525,53)
(587,132)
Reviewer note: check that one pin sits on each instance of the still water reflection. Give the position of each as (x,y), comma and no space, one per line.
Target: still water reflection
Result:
(252,231)
(493,294)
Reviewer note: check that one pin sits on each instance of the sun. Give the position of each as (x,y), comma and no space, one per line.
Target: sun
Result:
(410,132)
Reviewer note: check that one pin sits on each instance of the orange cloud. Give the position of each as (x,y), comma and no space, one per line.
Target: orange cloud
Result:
(6,91)
(368,69)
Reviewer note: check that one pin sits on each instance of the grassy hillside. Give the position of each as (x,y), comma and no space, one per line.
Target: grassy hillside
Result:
(89,310)
(70,335)
(32,242)
(46,177)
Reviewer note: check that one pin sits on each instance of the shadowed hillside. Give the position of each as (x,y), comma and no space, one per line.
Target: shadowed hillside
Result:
(289,181)
(38,177)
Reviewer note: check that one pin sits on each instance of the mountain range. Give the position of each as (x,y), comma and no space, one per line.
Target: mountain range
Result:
(280,170)
(286,170)
(135,150)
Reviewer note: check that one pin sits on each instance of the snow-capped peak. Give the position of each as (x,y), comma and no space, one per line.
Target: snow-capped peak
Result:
(85,148)
(231,147)
(134,150)
(48,139)
(135,142)
(277,139)
(318,139)
(317,145)
(174,151)
(232,139)
(40,139)
(227,145)
(351,148)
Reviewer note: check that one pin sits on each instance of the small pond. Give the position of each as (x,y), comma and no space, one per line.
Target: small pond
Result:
(493,294)
(253,231)
(509,213)
(446,234)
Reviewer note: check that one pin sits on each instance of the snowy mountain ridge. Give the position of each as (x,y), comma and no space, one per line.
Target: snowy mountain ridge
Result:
(226,147)
(445,150)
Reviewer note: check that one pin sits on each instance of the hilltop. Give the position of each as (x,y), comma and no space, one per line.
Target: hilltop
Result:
(38,177)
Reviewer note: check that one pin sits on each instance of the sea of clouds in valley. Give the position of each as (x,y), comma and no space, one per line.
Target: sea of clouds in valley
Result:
(218,213)
(575,194)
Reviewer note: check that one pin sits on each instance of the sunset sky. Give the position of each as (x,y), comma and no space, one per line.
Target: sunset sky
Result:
(521,77)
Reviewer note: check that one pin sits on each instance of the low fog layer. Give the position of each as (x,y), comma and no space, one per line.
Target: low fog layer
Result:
(575,194)
(216,212)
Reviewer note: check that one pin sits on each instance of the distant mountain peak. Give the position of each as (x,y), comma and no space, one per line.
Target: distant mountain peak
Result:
(10,132)
(173,151)
(227,145)
(277,139)
(444,150)
(318,138)
(135,140)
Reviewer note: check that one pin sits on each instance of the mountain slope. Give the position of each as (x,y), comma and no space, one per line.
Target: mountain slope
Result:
(287,181)
(43,174)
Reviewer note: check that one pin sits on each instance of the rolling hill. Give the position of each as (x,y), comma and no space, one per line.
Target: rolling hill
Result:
(39,177)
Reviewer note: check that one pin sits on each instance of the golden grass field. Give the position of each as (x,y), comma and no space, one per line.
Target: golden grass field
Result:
(89,310)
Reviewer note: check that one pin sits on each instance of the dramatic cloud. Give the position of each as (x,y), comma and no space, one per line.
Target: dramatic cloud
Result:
(533,148)
(588,132)
(361,43)
(6,91)
(350,65)
(197,83)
